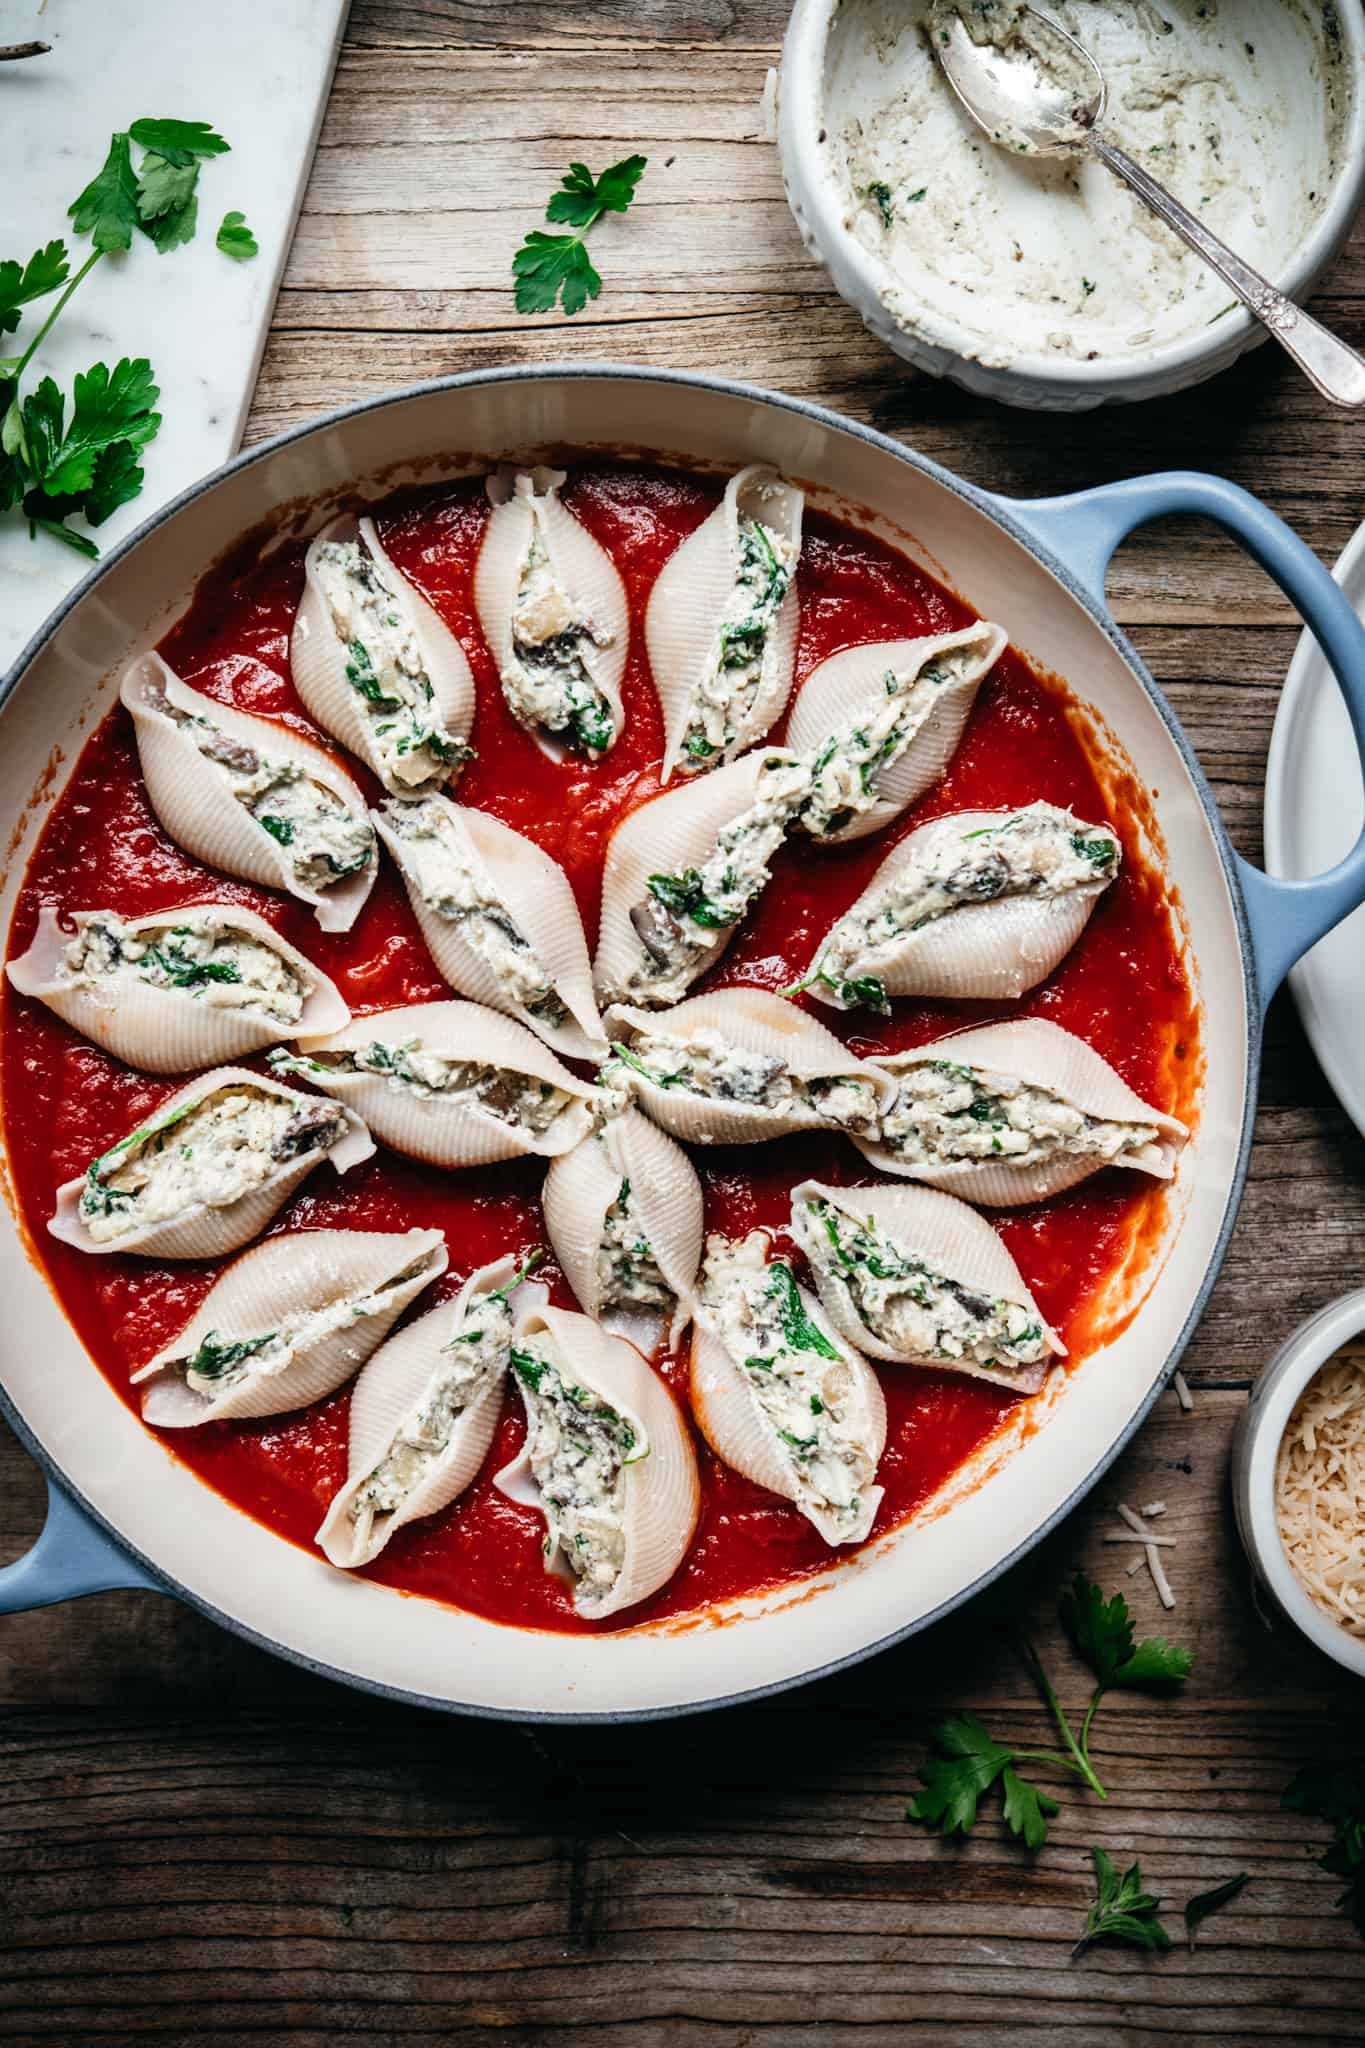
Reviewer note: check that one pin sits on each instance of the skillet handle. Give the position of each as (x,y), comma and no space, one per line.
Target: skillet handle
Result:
(71,1557)
(1083,530)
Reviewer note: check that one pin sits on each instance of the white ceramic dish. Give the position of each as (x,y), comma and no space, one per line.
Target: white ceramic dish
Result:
(830,51)
(1254,1450)
(1039,569)
(1314,807)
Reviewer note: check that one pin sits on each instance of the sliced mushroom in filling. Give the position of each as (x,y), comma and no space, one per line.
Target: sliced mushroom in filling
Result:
(521,1100)
(580,1450)
(705,1063)
(549,682)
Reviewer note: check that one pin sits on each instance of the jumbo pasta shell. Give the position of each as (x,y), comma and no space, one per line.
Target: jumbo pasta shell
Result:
(662,1496)
(742,1437)
(169,1030)
(391,1385)
(318,661)
(514,876)
(686,608)
(204,1229)
(451,1132)
(951,1239)
(194,802)
(849,691)
(321,1274)
(993,950)
(526,502)
(749,1020)
(1041,1055)
(665,1209)
(671,834)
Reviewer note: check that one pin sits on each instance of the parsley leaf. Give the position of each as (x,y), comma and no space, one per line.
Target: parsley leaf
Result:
(1337,1794)
(582,198)
(235,238)
(107,209)
(41,433)
(1204,1903)
(1103,1632)
(546,266)
(117,479)
(163,186)
(108,408)
(179,142)
(19,286)
(955,1781)
(556,268)
(1123,1911)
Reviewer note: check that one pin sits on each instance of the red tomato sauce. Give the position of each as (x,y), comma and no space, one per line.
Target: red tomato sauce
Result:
(1122,987)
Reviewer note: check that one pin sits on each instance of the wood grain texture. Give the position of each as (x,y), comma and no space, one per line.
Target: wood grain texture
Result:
(203,1844)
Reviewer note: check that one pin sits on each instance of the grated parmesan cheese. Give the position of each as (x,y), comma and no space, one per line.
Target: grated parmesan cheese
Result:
(1320,1491)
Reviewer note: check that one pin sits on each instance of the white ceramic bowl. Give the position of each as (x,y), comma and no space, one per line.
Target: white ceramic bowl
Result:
(932,340)
(1255,1447)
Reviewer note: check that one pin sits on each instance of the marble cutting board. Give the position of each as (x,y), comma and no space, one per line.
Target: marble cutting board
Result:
(259,71)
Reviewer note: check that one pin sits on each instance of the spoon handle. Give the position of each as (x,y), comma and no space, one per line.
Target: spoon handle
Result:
(1337,370)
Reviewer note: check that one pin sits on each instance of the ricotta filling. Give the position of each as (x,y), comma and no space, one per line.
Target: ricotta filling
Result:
(845,771)
(384,665)
(213,963)
(706,1064)
(474,1360)
(211,1152)
(580,1450)
(1041,852)
(800,1381)
(628,1274)
(733,670)
(682,921)
(944,1113)
(452,885)
(521,1100)
(549,681)
(325,840)
(911,1306)
(223,1359)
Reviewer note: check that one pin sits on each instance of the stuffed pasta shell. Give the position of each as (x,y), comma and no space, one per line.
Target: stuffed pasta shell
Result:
(177,989)
(451,1083)
(780,1396)
(424,1410)
(1013,1113)
(247,796)
(553,609)
(877,725)
(607,1461)
(918,1277)
(721,623)
(287,1324)
(741,1066)
(681,872)
(977,903)
(207,1170)
(499,918)
(377,667)
(624,1215)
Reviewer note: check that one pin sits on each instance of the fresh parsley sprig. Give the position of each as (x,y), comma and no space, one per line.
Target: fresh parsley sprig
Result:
(966,1762)
(550,268)
(1336,1793)
(1123,1911)
(53,467)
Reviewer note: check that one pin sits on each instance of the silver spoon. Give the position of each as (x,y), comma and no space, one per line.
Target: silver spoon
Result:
(1040,93)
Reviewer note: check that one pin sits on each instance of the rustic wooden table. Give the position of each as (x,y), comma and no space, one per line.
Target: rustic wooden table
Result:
(202,1844)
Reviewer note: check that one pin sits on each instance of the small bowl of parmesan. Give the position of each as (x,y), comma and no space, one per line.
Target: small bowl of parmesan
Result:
(1044,281)
(1298,1480)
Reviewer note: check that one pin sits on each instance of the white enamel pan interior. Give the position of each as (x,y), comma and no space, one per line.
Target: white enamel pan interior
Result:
(203,1549)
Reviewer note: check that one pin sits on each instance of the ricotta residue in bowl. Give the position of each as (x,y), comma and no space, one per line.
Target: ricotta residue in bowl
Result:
(1239,106)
